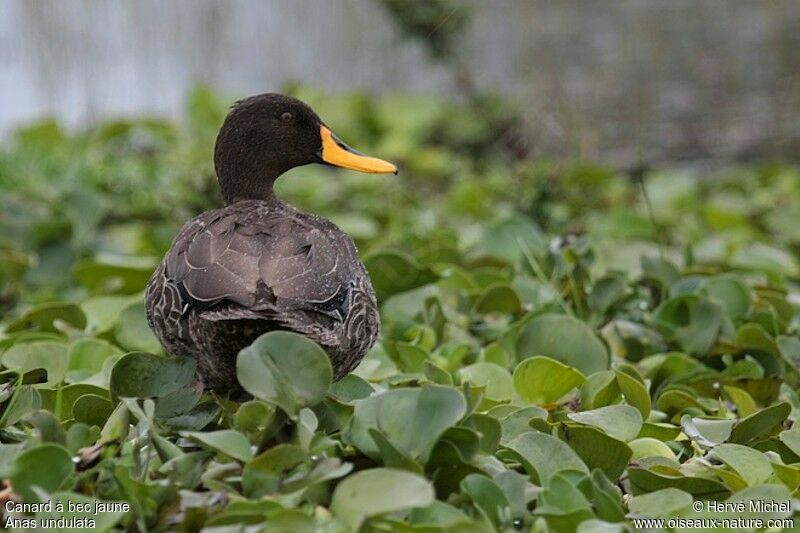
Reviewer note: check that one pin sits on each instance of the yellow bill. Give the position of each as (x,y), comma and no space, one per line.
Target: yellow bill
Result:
(337,153)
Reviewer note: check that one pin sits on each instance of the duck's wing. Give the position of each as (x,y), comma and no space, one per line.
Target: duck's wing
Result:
(264,260)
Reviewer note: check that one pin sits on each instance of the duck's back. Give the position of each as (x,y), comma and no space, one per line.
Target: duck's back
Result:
(254,266)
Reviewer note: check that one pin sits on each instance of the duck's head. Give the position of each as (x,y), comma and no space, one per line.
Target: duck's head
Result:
(264,136)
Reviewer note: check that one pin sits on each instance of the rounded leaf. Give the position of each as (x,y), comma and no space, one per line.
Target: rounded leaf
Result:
(46,466)
(285,369)
(379,491)
(543,380)
(566,339)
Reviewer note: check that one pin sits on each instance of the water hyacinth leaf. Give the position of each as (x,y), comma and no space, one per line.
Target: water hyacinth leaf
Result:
(607,291)
(762,257)
(87,356)
(620,421)
(48,426)
(644,480)
(761,423)
(745,405)
(132,331)
(600,389)
(765,501)
(664,503)
(47,466)
(46,317)
(791,438)
(487,496)
(498,298)
(707,432)
(597,449)
(24,401)
(563,505)
(92,409)
(659,270)
(146,375)
(412,420)
(607,498)
(659,431)
(512,239)
(565,339)
(349,389)
(691,321)
(520,421)
(50,355)
(542,380)
(378,491)
(437,374)
(394,272)
(124,275)
(226,441)
(752,465)
(285,369)
(102,312)
(408,357)
(544,455)
(497,381)
(731,293)
(649,447)
(261,475)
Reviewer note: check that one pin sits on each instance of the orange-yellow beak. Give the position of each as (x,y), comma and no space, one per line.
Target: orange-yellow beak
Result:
(337,153)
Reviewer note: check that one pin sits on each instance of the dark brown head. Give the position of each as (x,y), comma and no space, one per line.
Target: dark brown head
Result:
(264,136)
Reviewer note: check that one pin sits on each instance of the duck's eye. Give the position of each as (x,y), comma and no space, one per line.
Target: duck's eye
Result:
(286,117)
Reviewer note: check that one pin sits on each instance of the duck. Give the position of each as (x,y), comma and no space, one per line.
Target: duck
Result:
(257,264)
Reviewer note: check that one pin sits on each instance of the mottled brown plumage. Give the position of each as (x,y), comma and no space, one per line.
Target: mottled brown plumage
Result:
(258,264)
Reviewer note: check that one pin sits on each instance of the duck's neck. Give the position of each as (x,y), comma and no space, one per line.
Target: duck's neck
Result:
(248,189)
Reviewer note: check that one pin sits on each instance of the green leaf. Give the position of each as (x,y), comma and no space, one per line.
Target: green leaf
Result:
(760,423)
(512,239)
(775,500)
(102,312)
(487,496)
(645,480)
(412,420)
(600,389)
(393,272)
(92,410)
(664,503)
(47,466)
(650,447)
(635,393)
(50,355)
(87,356)
(563,505)
(24,401)
(145,375)
(565,339)
(132,331)
(597,449)
(544,455)
(46,317)
(542,380)
(752,465)
(497,381)
(226,441)
(730,293)
(620,421)
(691,321)
(498,298)
(285,369)
(379,491)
